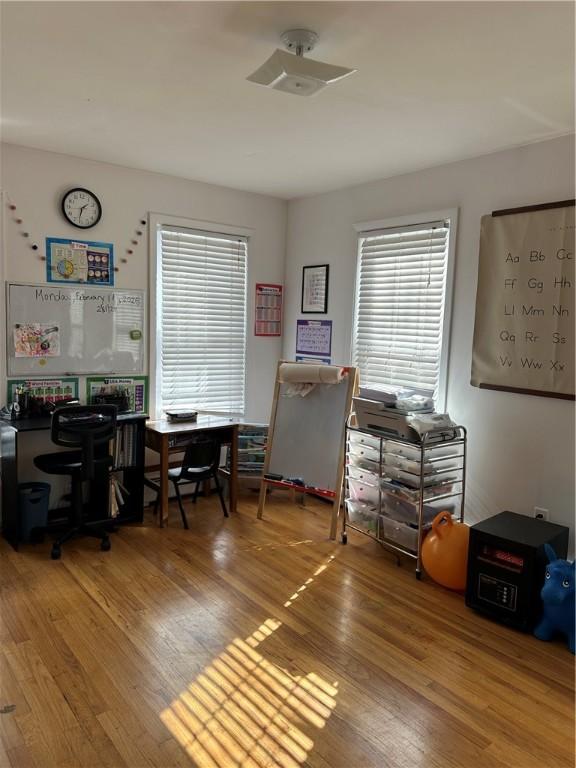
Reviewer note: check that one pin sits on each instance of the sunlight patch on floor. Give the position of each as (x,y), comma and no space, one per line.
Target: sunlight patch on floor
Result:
(277,545)
(317,572)
(242,711)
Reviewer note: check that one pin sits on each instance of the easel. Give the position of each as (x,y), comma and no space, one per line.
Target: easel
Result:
(350,383)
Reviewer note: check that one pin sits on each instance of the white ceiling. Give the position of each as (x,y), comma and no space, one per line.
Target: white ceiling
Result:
(161,86)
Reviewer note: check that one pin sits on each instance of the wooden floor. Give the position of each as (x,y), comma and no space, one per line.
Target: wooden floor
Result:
(261,643)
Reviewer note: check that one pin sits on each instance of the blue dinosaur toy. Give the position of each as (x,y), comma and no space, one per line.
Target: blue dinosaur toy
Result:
(558,598)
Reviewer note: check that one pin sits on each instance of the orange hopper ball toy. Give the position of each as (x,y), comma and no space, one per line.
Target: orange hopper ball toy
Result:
(445,552)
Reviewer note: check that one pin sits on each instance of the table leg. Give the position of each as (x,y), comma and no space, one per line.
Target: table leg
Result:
(234,470)
(334,517)
(164,456)
(262,498)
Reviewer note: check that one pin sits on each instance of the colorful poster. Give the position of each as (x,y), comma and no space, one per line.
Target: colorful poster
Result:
(314,337)
(268,311)
(75,261)
(36,340)
(44,390)
(135,387)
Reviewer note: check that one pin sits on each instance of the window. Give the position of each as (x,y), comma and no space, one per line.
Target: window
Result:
(402,313)
(200,317)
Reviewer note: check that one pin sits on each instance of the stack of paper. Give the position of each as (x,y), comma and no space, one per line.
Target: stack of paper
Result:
(387,395)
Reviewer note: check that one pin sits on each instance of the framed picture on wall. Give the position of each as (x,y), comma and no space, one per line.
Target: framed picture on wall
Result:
(315,289)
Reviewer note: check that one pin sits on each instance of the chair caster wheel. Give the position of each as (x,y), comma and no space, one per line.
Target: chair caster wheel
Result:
(419,575)
(105,545)
(56,552)
(344,538)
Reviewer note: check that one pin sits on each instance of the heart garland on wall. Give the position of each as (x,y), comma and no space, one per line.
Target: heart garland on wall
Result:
(33,243)
(17,219)
(134,242)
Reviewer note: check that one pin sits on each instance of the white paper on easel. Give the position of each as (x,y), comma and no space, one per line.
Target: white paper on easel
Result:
(300,373)
(308,434)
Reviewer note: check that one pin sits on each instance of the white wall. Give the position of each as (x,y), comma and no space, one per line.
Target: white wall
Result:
(521,448)
(34,181)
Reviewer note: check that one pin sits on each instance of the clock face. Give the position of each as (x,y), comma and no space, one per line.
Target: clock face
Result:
(81,207)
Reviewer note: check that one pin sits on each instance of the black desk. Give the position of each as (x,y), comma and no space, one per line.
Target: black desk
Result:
(10,434)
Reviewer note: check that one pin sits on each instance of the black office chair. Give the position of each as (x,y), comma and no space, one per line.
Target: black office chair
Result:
(201,462)
(88,429)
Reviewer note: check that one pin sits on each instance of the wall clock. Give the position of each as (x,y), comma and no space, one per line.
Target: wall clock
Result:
(81,208)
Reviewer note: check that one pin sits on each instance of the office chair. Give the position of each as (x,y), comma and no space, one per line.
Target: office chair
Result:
(88,429)
(201,462)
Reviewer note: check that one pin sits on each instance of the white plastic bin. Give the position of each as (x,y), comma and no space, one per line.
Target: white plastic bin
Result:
(363,515)
(363,475)
(365,492)
(405,511)
(359,438)
(413,452)
(399,533)
(364,456)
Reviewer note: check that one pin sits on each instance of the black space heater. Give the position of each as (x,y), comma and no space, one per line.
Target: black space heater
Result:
(506,563)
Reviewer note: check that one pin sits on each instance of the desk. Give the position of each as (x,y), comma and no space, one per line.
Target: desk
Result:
(10,435)
(166,437)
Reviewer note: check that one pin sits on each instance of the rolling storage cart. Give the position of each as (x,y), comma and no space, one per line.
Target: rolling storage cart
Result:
(395,487)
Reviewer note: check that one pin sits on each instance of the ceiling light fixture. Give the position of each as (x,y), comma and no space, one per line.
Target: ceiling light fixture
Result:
(293,73)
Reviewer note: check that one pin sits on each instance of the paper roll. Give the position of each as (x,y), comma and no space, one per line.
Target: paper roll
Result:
(308,373)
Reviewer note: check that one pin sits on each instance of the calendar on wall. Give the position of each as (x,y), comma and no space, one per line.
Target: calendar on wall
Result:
(314,337)
(268,310)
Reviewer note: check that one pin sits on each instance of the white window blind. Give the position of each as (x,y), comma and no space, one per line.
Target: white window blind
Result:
(202,316)
(400,304)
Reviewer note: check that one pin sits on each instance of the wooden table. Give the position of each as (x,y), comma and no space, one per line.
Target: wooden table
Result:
(166,437)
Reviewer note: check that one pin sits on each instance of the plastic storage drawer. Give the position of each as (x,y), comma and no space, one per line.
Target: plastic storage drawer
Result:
(359,491)
(364,456)
(399,533)
(363,515)
(363,475)
(404,511)
(360,438)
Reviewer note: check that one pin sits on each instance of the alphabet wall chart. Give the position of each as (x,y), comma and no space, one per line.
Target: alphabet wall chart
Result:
(524,330)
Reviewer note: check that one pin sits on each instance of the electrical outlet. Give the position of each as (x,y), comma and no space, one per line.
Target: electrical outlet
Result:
(541,513)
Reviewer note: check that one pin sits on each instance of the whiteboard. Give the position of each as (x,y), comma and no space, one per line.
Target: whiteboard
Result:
(74,329)
(309,434)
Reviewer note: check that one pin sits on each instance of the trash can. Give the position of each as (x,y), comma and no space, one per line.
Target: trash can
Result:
(33,503)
